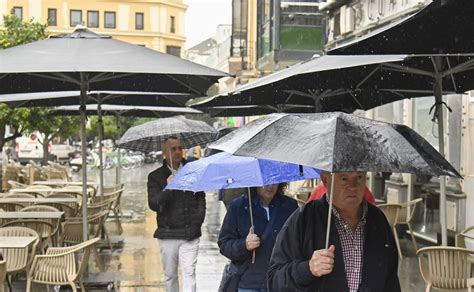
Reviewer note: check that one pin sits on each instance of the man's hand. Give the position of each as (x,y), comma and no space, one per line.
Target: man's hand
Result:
(322,261)
(252,241)
(170,178)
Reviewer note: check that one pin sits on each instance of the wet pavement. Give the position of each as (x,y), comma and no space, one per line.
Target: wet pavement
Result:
(135,264)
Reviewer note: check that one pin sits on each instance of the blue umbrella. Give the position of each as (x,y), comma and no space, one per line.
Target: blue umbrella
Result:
(226,171)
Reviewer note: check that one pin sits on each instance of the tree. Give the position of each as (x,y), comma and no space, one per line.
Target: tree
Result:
(16,33)
(111,131)
(52,126)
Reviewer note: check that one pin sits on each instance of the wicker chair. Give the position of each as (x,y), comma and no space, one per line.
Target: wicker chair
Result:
(11,206)
(405,218)
(19,259)
(43,229)
(114,198)
(73,232)
(12,173)
(3,274)
(445,267)
(16,185)
(56,223)
(42,191)
(61,266)
(391,212)
(73,207)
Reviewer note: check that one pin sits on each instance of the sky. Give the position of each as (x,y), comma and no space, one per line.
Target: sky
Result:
(203,16)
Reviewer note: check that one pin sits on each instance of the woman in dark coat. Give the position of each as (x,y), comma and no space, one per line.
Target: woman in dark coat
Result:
(237,241)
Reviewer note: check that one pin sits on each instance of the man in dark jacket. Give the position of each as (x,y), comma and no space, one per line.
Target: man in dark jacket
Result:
(362,255)
(179,216)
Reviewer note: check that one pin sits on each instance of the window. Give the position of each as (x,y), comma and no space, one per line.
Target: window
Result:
(75,17)
(139,20)
(109,19)
(18,11)
(172,24)
(173,50)
(52,17)
(93,18)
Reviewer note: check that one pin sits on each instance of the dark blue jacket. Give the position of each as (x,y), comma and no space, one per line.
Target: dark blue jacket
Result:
(235,229)
(305,232)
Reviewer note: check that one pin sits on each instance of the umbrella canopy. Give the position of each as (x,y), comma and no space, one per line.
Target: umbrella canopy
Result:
(56,64)
(86,61)
(443,31)
(60,98)
(124,110)
(253,110)
(150,136)
(225,171)
(328,83)
(436,29)
(336,142)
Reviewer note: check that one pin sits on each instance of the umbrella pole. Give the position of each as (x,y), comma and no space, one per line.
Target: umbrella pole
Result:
(171,162)
(82,109)
(101,154)
(118,166)
(442,179)
(330,210)
(251,220)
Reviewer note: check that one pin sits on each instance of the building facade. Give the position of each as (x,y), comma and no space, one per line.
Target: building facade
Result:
(269,35)
(213,52)
(351,19)
(156,24)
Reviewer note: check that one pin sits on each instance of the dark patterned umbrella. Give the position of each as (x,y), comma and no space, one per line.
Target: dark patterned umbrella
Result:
(150,136)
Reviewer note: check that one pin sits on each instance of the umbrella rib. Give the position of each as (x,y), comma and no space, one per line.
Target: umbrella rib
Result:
(3,75)
(459,68)
(300,93)
(405,69)
(452,75)
(368,76)
(184,84)
(59,77)
(109,77)
(356,100)
(172,100)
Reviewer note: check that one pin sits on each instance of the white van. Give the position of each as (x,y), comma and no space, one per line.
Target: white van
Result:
(29,148)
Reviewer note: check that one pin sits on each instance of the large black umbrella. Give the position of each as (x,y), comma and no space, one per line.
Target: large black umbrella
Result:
(336,142)
(254,110)
(443,31)
(87,61)
(126,110)
(64,98)
(441,27)
(328,83)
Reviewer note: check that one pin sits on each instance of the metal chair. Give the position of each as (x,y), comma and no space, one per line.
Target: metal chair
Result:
(444,267)
(61,266)
(391,212)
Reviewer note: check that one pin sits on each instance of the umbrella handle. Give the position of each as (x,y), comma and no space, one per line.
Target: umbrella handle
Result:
(251,221)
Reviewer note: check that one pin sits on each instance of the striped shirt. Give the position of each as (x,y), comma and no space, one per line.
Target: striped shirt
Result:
(352,246)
